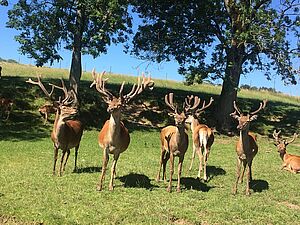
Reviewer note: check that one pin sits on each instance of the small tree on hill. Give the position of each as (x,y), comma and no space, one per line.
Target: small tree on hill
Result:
(83,27)
(221,39)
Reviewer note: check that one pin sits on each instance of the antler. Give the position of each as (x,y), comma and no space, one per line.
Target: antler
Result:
(137,89)
(293,139)
(169,101)
(237,110)
(41,85)
(187,103)
(262,106)
(100,85)
(205,106)
(276,135)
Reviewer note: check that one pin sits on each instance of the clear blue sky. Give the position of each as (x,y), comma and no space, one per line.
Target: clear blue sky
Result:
(119,62)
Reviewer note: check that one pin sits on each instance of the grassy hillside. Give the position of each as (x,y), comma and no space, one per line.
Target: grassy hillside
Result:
(29,194)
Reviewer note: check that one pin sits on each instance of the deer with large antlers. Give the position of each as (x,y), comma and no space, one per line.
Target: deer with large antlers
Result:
(246,147)
(67,131)
(114,137)
(291,162)
(203,136)
(174,140)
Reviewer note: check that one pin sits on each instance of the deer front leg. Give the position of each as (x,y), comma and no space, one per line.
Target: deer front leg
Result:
(55,159)
(248,181)
(61,162)
(105,159)
(238,172)
(243,172)
(179,171)
(113,171)
(193,156)
(76,155)
(68,154)
(171,172)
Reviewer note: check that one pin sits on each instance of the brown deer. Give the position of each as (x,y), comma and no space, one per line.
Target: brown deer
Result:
(6,105)
(291,162)
(203,136)
(174,140)
(114,137)
(246,147)
(67,131)
(47,109)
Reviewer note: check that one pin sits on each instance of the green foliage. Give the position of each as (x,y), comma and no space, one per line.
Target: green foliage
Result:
(207,37)
(47,26)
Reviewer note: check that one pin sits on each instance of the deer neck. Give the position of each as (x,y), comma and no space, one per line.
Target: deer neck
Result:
(283,155)
(194,124)
(244,139)
(180,133)
(59,123)
(114,123)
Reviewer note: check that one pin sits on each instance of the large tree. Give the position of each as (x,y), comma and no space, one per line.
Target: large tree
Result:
(81,26)
(221,39)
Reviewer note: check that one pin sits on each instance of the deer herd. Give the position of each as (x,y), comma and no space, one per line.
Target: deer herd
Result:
(114,137)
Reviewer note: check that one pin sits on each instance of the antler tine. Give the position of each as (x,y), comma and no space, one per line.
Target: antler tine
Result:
(63,88)
(293,139)
(205,106)
(41,85)
(189,107)
(261,106)
(276,135)
(134,91)
(100,84)
(236,108)
(169,101)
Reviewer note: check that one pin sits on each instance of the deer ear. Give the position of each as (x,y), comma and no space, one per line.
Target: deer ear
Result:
(254,117)
(234,116)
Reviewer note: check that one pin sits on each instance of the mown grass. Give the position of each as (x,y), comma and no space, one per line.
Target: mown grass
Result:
(29,194)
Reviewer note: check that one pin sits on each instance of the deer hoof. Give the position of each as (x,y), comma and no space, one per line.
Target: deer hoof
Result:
(178,190)
(169,189)
(99,188)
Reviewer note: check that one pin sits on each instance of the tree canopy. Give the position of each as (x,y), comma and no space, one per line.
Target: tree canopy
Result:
(221,39)
(86,27)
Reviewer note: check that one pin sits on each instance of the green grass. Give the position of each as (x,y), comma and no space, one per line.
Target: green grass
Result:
(29,194)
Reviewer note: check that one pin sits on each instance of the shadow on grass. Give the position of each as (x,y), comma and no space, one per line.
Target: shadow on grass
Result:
(259,185)
(213,171)
(134,180)
(1,195)
(90,169)
(194,184)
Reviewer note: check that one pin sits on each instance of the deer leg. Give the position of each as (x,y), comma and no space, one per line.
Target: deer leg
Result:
(248,181)
(160,164)
(76,155)
(113,171)
(243,172)
(104,165)
(179,171)
(199,152)
(55,159)
(205,162)
(61,162)
(171,171)
(165,160)
(68,154)
(46,118)
(238,173)
(250,170)
(193,156)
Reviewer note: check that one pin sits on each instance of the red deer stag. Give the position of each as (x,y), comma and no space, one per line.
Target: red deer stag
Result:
(6,105)
(291,162)
(174,140)
(246,147)
(114,137)
(67,131)
(203,136)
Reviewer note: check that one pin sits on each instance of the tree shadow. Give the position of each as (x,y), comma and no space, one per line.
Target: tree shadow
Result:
(213,171)
(259,185)
(194,184)
(89,169)
(134,180)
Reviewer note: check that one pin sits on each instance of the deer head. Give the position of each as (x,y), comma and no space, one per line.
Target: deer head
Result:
(244,120)
(281,144)
(195,112)
(180,117)
(115,104)
(66,106)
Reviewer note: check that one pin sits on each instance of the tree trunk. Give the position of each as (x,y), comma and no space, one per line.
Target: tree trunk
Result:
(229,91)
(76,67)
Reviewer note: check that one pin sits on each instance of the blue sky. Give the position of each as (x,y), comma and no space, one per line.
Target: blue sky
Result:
(119,62)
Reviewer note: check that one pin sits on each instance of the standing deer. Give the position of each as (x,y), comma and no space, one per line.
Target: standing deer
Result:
(174,140)
(114,137)
(291,162)
(6,105)
(246,147)
(45,110)
(67,131)
(203,136)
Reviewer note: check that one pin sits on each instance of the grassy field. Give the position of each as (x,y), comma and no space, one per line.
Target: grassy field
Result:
(29,194)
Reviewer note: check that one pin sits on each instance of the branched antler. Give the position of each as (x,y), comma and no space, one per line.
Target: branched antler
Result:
(262,106)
